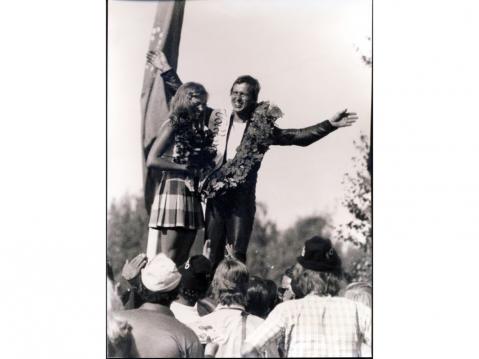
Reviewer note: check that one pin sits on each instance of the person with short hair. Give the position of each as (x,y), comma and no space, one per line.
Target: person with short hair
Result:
(272,298)
(227,326)
(196,275)
(229,215)
(156,332)
(257,297)
(285,292)
(130,283)
(318,323)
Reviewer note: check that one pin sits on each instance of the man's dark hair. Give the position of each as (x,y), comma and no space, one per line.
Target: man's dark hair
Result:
(272,293)
(192,295)
(254,85)
(165,298)
(257,297)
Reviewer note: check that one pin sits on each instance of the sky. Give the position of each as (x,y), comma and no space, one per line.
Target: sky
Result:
(302,52)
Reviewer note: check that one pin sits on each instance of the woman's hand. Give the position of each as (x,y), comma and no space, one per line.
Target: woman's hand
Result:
(344,119)
(158,60)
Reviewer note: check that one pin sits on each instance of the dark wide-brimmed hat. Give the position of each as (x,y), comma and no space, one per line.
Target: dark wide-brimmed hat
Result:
(319,255)
(196,273)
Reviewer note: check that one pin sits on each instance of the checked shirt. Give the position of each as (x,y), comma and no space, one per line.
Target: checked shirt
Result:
(316,327)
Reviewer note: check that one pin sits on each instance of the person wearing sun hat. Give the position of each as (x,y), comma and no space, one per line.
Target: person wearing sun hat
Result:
(196,275)
(317,323)
(156,331)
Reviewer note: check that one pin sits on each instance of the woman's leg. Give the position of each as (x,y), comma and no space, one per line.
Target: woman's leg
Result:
(153,243)
(176,243)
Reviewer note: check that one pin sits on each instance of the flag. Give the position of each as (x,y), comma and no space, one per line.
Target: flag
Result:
(165,36)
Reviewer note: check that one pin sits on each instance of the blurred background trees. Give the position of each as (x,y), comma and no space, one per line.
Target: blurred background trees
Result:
(127,230)
(358,201)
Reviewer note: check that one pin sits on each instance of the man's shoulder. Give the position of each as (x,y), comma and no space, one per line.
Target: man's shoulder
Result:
(255,320)
(126,313)
(187,332)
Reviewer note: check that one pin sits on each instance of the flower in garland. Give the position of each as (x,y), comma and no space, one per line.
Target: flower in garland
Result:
(256,141)
(194,145)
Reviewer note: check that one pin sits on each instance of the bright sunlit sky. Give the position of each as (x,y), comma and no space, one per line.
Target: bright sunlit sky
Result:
(302,52)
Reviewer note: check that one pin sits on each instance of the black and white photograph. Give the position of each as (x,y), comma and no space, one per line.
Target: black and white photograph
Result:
(239,178)
(239,171)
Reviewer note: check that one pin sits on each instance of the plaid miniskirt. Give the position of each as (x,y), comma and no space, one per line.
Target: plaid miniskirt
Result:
(175,205)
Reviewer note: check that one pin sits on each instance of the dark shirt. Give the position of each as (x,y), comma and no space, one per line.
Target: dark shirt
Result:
(158,334)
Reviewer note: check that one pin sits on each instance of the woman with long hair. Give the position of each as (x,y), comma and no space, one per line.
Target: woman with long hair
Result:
(182,149)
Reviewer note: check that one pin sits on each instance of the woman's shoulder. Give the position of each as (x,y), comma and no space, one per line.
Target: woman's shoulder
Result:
(165,129)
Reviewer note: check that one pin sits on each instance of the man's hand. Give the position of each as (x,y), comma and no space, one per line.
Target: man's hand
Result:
(132,269)
(158,60)
(230,251)
(344,119)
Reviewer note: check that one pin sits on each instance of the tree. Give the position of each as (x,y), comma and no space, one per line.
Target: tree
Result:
(358,231)
(270,251)
(264,238)
(127,230)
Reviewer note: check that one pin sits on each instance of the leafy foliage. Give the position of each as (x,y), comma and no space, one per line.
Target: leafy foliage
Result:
(358,231)
(127,230)
(270,251)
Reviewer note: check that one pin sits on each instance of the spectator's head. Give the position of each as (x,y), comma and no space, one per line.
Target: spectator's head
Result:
(318,269)
(196,276)
(272,294)
(189,102)
(230,282)
(258,297)
(361,292)
(285,292)
(118,331)
(160,281)
(244,94)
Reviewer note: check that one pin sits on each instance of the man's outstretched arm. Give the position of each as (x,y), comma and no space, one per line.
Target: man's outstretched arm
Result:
(308,135)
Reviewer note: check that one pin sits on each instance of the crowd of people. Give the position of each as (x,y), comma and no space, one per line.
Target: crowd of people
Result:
(160,310)
(170,304)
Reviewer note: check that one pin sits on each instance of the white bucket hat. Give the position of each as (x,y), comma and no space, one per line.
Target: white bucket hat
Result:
(160,274)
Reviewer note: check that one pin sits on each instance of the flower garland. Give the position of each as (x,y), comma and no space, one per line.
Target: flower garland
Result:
(193,146)
(256,141)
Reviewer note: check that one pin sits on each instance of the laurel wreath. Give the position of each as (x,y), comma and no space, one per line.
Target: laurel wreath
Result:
(256,141)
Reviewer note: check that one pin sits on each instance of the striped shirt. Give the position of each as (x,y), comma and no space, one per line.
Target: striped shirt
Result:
(316,327)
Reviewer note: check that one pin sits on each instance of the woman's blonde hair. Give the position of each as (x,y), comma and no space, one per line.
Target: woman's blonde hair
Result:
(181,104)
(230,282)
